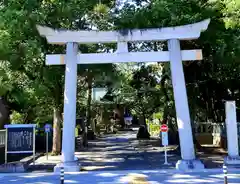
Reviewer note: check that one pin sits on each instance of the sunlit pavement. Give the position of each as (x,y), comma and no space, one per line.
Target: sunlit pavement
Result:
(118,152)
(123,152)
(118,177)
(114,157)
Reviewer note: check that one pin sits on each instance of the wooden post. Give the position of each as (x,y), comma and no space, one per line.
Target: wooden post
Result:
(62,175)
(6,137)
(225,174)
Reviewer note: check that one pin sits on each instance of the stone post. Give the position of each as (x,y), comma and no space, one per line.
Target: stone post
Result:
(232,133)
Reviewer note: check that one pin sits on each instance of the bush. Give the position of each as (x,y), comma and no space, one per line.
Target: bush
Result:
(17,118)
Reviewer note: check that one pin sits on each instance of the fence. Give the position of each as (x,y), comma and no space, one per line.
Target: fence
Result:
(212,128)
(2,137)
(205,132)
(212,133)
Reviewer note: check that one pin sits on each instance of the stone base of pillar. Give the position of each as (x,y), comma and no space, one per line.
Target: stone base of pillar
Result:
(232,160)
(68,167)
(184,165)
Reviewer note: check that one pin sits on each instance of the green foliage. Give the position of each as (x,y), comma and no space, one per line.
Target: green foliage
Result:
(5,84)
(212,80)
(32,85)
(17,118)
(34,89)
(153,128)
(148,96)
(232,13)
(158,115)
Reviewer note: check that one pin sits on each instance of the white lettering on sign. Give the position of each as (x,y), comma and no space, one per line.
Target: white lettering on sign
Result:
(47,128)
(164,138)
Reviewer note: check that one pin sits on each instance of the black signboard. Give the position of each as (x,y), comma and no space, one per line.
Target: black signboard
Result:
(20,139)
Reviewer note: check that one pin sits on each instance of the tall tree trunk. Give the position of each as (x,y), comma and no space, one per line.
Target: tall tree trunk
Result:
(89,100)
(144,120)
(4,113)
(143,130)
(165,89)
(193,113)
(88,110)
(57,121)
(119,110)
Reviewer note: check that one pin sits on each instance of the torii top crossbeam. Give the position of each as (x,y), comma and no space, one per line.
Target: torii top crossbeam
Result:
(186,32)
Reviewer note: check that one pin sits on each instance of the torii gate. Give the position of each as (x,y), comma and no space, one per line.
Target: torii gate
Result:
(175,55)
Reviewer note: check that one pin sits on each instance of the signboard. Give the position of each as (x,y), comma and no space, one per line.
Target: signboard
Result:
(164,128)
(98,93)
(164,132)
(47,128)
(128,119)
(164,138)
(20,138)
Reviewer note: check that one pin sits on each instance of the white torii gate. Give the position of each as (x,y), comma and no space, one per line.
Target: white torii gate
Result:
(175,55)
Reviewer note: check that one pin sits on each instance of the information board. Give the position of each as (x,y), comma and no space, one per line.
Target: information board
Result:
(20,138)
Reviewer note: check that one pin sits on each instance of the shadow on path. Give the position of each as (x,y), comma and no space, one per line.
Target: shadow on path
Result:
(124,152)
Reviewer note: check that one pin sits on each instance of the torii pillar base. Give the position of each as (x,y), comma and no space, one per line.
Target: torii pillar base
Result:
(68,167)
(232,160)
(186,165)
(73,166)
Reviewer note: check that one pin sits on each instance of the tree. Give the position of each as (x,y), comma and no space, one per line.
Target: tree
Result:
(148,96)
(5,86)
(30,87)
(23,48)
(212,80)
(231,13)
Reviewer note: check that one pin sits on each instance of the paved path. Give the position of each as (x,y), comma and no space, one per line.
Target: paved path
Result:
(114,157)
(119,177)
(119,152)
(123,152)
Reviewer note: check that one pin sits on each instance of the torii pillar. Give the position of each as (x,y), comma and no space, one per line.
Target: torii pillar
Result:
(175,55)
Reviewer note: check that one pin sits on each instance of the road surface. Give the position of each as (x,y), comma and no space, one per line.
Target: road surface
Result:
(119,177)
